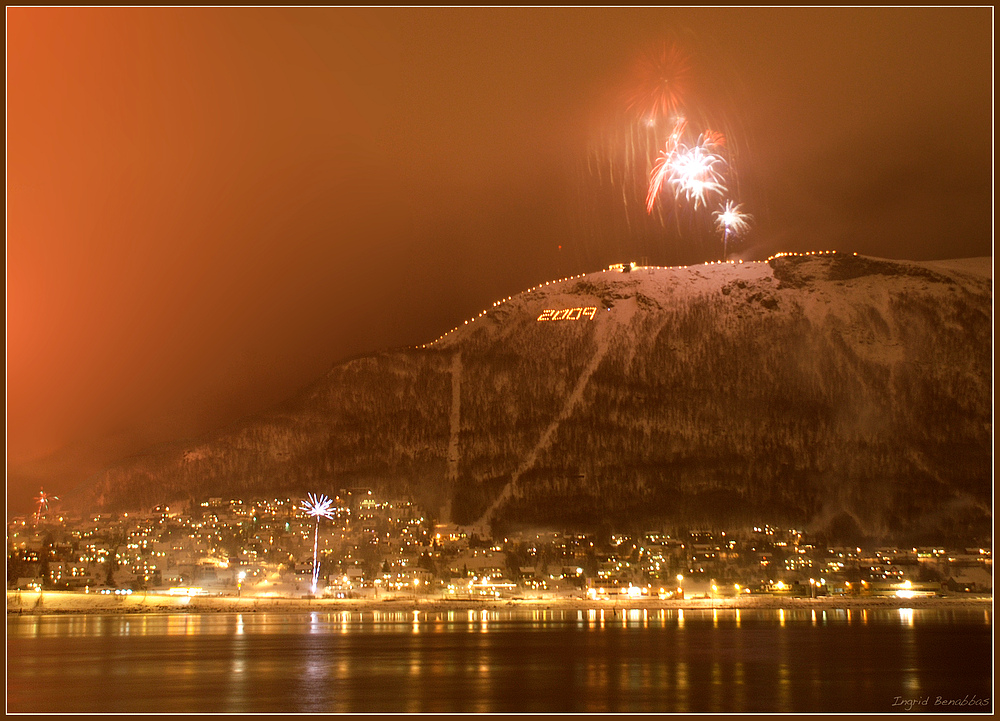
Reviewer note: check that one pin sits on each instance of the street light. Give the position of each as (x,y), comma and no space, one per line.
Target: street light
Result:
(239,585)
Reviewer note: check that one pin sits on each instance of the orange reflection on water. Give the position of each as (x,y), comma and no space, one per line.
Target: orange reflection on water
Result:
(784,688)
(681,685)
(738,684)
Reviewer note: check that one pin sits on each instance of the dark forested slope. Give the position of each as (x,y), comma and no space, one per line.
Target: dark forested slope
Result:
(828,391)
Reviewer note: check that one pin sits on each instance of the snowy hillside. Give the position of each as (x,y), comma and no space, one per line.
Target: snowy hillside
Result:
(828,390)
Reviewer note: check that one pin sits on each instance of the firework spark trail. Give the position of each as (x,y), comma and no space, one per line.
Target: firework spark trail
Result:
(321,507)
(661,171)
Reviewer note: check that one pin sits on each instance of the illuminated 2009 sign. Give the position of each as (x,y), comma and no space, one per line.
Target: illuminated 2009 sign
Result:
(568,314)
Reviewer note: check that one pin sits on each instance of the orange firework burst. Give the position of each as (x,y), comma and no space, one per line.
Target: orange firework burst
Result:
(659,80)
(712,139)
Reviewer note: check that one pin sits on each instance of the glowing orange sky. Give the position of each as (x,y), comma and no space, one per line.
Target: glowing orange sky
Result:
(208,207)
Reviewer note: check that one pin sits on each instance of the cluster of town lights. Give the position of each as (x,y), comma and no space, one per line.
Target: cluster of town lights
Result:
(300,520)
(620,267)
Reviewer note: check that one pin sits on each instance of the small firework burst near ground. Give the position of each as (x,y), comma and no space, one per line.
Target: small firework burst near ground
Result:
(732,222)
(318,506)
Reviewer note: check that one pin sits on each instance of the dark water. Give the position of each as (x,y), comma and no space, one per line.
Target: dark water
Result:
(498,661)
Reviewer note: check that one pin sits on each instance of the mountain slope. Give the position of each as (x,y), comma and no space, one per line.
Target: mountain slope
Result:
(822,390)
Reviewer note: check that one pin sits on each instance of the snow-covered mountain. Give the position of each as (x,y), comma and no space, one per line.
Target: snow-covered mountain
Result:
(825,390)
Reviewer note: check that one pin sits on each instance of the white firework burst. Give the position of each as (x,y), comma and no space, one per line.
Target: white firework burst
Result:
(318,506)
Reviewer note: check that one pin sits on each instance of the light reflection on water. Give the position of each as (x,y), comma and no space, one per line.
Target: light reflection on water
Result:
(497,660)
(315,622)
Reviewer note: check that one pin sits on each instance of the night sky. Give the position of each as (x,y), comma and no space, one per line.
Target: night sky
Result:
(206,208)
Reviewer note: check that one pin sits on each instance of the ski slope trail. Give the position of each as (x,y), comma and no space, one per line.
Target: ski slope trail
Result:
(456,415)
(602,338)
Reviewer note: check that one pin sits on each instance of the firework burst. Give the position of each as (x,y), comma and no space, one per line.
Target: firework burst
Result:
(731,221)
(318,506)
(659,82)
(712,140)
(658,143)
(692,172)
(42,500)
(663,166)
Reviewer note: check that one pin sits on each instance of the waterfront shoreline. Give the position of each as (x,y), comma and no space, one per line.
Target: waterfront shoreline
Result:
(56,602)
